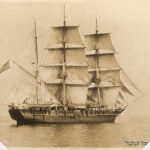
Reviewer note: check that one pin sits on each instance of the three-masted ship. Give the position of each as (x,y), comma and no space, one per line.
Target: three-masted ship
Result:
(67,89)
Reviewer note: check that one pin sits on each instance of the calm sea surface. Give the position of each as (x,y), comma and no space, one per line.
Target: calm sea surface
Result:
(119,134)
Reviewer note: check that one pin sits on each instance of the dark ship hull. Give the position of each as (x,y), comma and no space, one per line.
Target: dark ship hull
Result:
(44,115)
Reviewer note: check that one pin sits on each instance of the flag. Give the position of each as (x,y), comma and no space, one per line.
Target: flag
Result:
(4,67)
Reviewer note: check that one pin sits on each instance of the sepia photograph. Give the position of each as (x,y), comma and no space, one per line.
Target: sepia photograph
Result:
(74,74)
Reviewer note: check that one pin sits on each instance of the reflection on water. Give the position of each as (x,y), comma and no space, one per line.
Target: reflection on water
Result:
(73,135)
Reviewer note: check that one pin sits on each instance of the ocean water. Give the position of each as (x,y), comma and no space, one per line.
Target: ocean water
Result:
(125,132)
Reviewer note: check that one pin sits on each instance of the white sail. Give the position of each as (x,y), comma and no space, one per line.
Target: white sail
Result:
(106,76)
(102,42)
(28,56)
(127,95)
(129,85)
(53,57)
(52,64)
(57,91)
(76,95)
(92,97)
(51,70)
(71,36)
(23,85)
(77,75)
(105,73)
(121,101)
(106,62)
(110,95)
(75,57)
(20,83)
(50,73)
(46,96)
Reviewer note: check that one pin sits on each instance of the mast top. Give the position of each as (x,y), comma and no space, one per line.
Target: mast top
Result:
(64,17)
(96,26)
(35,36)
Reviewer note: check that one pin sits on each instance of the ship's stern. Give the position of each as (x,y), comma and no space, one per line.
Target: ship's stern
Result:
(15,113)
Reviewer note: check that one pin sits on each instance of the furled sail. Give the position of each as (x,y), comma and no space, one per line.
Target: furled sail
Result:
(64,56)
(109,85)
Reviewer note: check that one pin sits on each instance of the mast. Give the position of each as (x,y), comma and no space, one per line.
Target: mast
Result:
(98,79)
(64,60)
(36,53)
(64,66)
(108,83)
(103,69)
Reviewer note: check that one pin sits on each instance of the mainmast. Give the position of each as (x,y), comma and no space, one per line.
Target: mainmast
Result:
(36,53)
(64,59)
(64,67)
(97,67)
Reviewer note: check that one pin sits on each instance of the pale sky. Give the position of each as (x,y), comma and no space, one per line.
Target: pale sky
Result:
(127,20)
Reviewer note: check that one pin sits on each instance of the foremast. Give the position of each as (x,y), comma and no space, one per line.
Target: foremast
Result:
(36,63)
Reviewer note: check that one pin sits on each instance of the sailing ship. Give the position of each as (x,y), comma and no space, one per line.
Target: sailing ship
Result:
(75,82)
